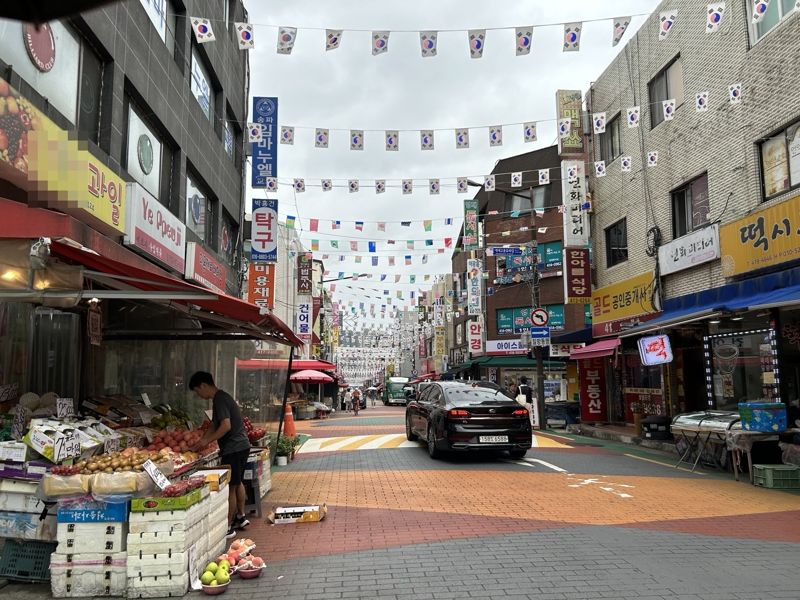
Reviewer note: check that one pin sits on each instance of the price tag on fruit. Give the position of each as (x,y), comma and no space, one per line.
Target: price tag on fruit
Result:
(155,474)
(65,407)
(18,426)
(111,445)
(146,399)
(65,447)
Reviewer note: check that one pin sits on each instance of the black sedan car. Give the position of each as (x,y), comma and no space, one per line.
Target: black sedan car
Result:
(463,416)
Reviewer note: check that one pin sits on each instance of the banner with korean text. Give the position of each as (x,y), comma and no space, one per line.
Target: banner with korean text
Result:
(594,399)
(265,152)
(577,276)
(474,287)
(470,238)
(576,216)
(261,285)
(264,242)
(304,270)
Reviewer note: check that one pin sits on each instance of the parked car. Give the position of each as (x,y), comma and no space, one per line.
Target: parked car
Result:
(466,416)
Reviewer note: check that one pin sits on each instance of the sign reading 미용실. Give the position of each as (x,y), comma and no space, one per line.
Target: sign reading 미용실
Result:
(765,238)
(623,304)
(470,237)
(695,248)
(265,152)
(264,242)
(153,229)
(474,284)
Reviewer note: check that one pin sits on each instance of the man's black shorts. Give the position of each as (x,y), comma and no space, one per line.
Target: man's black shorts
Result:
(237,461)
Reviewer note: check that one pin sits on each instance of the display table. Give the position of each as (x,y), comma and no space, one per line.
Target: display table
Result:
(704,432)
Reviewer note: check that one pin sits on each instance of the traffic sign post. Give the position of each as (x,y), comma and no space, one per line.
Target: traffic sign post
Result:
(539,317)
(540,336)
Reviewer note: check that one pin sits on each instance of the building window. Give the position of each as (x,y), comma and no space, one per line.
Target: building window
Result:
(230,145)
(200,213)
(91,93)
(667,85)
(617,243)
(523,202)
(145,152)
(201,85)
(610,143)
(690,206)
(162,16)
(780,161)
(778,11)
(228,238)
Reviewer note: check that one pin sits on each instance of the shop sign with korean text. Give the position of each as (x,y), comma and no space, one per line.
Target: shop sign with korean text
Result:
(621,305)
(439,341)
(655,350)
(576,215)
(474,284)
(475,337)
(577,276)
(470,238)
(504,347)
(763,239)
(304,271)
(513,320)
(564,349)
(303,323)
(265,152)
(569,104)
(264,242)
(43,159)
(261,285)
(695,248)
(594,399)
(423,346)
(154,230)
(203,268)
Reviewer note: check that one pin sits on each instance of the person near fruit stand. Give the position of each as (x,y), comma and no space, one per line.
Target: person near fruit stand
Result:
(228,430)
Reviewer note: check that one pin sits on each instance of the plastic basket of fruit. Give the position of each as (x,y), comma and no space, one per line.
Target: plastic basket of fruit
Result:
(250,567)
(215,589)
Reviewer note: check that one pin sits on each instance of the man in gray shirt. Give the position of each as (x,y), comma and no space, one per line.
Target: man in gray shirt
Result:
(227,429)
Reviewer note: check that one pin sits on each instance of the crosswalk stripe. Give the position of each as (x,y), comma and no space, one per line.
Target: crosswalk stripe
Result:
(359,443)
(540,441)
(382,442)
(392,440)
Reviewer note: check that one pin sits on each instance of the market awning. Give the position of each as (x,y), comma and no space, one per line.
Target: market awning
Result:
(773,299)
(519,362)
(310,376)
(276,364)
(573,337)
(137,284)
(674,318)
(596,350)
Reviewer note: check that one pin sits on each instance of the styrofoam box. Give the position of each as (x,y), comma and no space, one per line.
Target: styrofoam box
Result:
(219,498)
(79,575)
(158,586)
(89,538)
(19,496)
(27,526)
(187,518)
(220,514)
(164,542)
(157,564)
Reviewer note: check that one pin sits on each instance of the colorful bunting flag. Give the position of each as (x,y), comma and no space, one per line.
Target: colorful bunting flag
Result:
(335,244)
(391,261)
(313,225)
(572,36)
(254,132)
(336,224)
(427,224)
(524,40)
(408,260)
(314,245)
(333,37)
(354,246)
(359,225)
(372,246)
(448,221)
(477,38)
(202,30)
(433,186)
(714,18)
(410,244)
(397,278)
(462,185)
(633,117)
(412,279)
(448,242)
(381,226)
(287,135)
(427,43)
(299,185)
(620,26)
(666,21)
(408,186)
(380,42)
(496,135)
(374,261)
(462,138)
(426,139)
(529,132)
(424,259)
(405,223)
(321,138)
(392,140)
(286,38)
(701,102)
(289,222)
(244,35)
(358,259)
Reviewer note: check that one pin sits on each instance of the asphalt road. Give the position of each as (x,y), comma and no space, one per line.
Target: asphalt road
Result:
(576,519)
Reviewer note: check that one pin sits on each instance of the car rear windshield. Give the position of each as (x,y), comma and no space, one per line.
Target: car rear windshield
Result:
(475,395)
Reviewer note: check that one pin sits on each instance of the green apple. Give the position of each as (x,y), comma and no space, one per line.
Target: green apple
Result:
(212,567)
(224,564)
(213,583)
(223,577)
(207,578)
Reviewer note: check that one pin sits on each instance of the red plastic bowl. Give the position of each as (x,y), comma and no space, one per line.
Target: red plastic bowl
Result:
(215,590)
(250,573)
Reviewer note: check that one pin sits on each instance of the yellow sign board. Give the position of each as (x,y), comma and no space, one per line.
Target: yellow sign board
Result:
(56,170)
(763,239)
(624,300)
(439,341)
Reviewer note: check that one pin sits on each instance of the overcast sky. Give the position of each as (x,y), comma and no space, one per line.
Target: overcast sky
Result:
(348,88)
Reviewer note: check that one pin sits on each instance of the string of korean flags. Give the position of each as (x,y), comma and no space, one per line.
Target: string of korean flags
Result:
(476,38)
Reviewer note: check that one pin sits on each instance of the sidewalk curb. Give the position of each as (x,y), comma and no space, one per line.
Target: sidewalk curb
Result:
(630,440)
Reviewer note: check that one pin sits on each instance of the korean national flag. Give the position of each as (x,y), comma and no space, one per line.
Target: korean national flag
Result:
(244,34)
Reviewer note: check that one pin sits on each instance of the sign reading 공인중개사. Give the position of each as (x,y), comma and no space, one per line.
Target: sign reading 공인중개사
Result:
(695,248)
(265,152)
(765,238)
(264,239)
(622,304)
(154,230)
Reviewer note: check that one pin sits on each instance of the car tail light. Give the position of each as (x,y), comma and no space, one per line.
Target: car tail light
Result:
(458,414)
(520,412)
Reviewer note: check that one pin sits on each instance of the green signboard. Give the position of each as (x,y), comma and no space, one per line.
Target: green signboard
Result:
(550,254)
(470,237)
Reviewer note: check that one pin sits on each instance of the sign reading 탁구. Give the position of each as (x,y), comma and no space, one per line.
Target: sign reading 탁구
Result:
(264,244)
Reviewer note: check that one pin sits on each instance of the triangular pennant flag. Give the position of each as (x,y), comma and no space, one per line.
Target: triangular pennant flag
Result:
(327,186)
(408,186)
(488,183)
(433,186)
(666,21)
(380,186)
(244,35)
(286,38)
(333,37)
(321,138)
(496,135)
(620,26)
(287,135)
(714,17)
(202,30)
(633,116)
(544,176)
(701,102)
(427,43)
(255,132)
(299,186)
(524,40)
(392,140)
(380,42)
(462,185)
(529,132)
(572,36)
(426,139)
(516,179)
(564,127)
(352,185)
(599,122)
(477,39)
(462,138)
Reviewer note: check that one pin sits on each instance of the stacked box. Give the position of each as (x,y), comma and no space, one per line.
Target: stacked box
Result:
(20,510)
(90,538)
(160,543)
(217,524)
(82,575)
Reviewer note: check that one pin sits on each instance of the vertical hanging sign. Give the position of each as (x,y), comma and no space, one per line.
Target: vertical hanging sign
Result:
(475,329)
(265,152)
(577,276)
(474,281)
(569,105)
(261,285)
(470,238)
(304,284)
(264,243)
(576,217)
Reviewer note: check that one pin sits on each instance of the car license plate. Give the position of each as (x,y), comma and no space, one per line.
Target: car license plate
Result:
(493,439)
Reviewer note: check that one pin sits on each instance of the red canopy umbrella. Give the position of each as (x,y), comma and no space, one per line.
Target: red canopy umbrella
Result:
(309,376)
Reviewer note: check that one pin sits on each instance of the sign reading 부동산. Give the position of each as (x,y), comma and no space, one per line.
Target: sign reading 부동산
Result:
(470,237)
(265,152)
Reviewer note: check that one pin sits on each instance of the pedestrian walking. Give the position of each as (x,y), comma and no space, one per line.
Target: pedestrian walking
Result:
(348,400)
(356,400)
(525,396)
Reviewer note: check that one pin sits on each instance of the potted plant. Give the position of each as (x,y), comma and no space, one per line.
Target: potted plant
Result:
(284,448)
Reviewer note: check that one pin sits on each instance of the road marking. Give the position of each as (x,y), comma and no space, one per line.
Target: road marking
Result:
(357,442)
(663,464)
(540,441)
(546,464)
